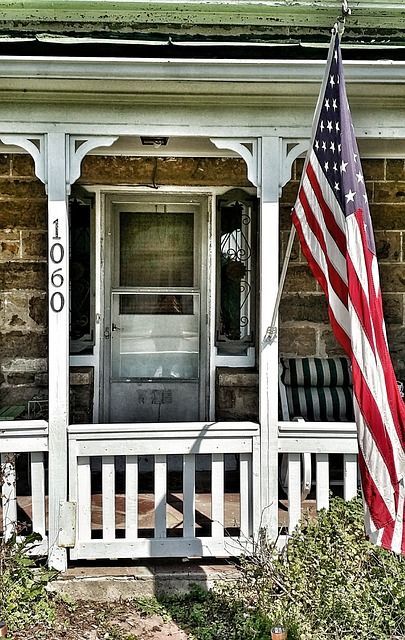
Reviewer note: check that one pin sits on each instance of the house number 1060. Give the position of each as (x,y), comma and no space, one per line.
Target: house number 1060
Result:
(56,254)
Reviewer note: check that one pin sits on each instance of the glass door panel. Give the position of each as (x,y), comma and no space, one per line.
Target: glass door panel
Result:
(155,335)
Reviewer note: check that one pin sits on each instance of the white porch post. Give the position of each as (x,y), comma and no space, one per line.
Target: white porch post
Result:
(58,352)
(269,181)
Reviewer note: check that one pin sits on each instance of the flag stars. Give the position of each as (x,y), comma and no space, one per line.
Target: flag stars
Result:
(317,145)
(332,147)
(322,126)
(359,177)
(334,104)
(335,167)
(339,148)
(336,187)
(326,166)
(355,157)
(350,196)
(329,126)
(343,166)
(337,128)
(332,81)
(327,105)
(324,145)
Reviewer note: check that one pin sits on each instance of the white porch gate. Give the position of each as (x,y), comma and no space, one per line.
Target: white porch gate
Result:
(108,524)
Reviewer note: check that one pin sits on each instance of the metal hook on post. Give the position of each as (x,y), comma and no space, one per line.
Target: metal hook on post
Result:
(341,21)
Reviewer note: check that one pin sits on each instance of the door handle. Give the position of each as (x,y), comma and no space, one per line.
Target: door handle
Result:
(114,327)
(107,333)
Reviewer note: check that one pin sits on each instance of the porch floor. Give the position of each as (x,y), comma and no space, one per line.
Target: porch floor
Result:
(174,513)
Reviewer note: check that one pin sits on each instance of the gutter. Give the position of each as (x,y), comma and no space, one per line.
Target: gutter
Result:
(201,70)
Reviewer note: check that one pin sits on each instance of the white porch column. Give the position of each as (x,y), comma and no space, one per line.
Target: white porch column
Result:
(58,337)
(269,181)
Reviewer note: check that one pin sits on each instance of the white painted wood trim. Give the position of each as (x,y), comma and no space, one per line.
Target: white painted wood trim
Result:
(222,547)
(160,495)
(108,497)
(322,481)
(189,496)
(246,495)
(131,497)
(217,495)
(350,483)
(9,495)
(268,352)
(294,491)
(38,493)
(58,337)
(83,498)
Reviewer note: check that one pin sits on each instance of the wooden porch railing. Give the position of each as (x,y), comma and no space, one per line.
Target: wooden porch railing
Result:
(321,440)
(187,521)
(134,522)
(17,438)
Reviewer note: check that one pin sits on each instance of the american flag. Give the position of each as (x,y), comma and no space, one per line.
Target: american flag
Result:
(332,218)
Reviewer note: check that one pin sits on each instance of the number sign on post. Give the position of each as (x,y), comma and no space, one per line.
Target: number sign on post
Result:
(57,277)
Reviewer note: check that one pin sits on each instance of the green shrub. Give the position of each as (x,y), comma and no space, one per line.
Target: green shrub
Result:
(24,599)
(329,583)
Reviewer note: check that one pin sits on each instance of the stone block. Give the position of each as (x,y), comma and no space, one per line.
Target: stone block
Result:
(388,216)
(27,275)
(295,255)
(20,378)
(328,345)
(395,169)
(34,244)
(23,213)
(229,377)
(34,365)
(13,311)
(373,169)
(289,192)
(21,188)
(41,379)
(225,399)
(389,192)
(300,307)
(396,343)
(297,340)
(393,305)
(5,164)
(22,165)
(16,344)
(285,216)
(38,310)
(9,249)
(174,171)
(388,245)
(81,394)
(392,277)
(299,278)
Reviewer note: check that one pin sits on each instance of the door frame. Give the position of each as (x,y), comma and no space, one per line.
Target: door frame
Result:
(109,201)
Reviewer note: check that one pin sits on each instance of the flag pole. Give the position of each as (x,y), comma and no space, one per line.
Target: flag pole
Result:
(271,330)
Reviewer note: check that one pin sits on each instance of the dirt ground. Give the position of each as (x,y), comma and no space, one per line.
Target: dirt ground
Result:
(93,621)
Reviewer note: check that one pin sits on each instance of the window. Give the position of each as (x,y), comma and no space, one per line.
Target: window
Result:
(236,248)
(81,277)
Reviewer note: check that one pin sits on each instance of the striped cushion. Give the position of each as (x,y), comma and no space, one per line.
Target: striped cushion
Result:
(318,389)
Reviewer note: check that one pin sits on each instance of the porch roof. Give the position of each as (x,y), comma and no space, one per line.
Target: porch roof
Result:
(374,23)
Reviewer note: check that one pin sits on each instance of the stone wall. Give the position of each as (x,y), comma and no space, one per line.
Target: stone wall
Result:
(304,326)
(23,308)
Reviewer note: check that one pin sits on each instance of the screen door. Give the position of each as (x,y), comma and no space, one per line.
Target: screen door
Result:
(155,340)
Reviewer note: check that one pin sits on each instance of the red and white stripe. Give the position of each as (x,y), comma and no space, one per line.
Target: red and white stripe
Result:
(338,253)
